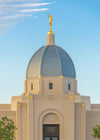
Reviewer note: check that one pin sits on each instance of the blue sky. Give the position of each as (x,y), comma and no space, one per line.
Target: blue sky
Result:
(23,29)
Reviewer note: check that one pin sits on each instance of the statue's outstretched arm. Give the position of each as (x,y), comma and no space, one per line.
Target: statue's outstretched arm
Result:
(48,14)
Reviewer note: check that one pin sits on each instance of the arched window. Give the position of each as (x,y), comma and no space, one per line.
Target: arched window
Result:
(69,87)
(32,86)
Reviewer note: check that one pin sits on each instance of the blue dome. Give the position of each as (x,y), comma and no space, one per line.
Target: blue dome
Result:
(50,60)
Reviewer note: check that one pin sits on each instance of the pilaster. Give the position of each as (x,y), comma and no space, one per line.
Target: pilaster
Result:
(19,121)
(30,118)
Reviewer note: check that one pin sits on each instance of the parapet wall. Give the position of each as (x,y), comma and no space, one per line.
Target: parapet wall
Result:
(5,107)
(92,118)
(95,106)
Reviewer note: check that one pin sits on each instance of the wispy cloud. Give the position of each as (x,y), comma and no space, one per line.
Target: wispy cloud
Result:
(26,5)
(34,10)
(15,16)
(11,11)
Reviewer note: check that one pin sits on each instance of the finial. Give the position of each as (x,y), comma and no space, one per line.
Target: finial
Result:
(50,23)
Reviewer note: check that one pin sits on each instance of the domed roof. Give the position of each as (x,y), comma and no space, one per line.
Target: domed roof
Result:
(50,60)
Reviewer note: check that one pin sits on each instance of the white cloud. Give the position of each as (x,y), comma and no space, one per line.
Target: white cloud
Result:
(13,10)
(26,5)
(34,10)
(15,16)
(1,12)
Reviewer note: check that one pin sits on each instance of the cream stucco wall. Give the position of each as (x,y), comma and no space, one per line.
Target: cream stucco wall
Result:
(80,122)
(41,85)
(92,118)
(70,111)
(73,112)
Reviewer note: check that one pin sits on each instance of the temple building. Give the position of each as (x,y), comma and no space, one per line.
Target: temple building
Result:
(50,107)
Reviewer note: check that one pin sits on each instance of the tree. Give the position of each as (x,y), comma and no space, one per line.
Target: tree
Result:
(96,132)
(7,129)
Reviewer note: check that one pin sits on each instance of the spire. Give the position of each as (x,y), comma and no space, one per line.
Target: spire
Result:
(50,35)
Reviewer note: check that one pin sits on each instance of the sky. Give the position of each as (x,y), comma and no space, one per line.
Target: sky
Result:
(23,30)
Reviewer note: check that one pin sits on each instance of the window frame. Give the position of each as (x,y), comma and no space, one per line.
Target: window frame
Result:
(51,135)
(50,86)
(32,86)
(69,86)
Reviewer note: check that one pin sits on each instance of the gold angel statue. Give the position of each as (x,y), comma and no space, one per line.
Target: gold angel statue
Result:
(50,21)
